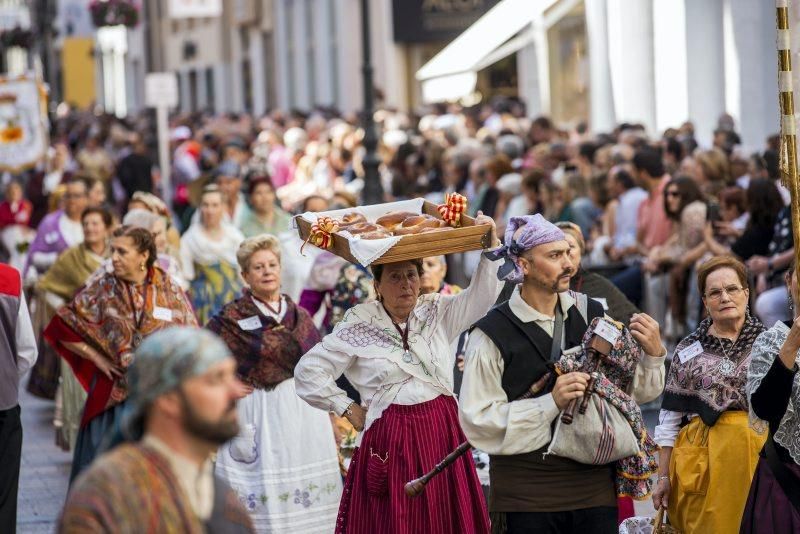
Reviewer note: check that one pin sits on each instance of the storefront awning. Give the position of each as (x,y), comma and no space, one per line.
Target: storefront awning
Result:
(503,30)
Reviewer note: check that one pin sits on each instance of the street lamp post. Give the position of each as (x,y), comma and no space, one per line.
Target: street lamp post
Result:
(373,191)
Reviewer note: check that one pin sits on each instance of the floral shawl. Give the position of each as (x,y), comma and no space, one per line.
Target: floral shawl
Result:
(70,271)
(711,382)
(101,316)
(266,351)
(765,350)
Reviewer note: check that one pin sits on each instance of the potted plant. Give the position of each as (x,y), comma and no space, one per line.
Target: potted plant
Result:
(114,13)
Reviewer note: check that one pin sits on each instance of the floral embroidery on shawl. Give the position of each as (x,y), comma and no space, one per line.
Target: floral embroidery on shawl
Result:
(101,314)
(611,383)
(266,356)
(713,381)
(765,349)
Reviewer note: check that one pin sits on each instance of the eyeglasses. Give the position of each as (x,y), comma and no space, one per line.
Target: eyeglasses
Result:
(672,194)
(732,291)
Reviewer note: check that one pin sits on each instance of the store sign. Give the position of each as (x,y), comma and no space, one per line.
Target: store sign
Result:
(184,9)
(161,90)
(424,21)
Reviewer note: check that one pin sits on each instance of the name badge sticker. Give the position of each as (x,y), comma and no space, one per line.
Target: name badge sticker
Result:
(690,352)
(251,323)
(606,331)
(162,314)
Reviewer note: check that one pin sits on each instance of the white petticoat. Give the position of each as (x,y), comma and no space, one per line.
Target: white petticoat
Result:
(283,465)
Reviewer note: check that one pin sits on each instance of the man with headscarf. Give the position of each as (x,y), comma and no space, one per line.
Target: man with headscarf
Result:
(182,407)
(508,404)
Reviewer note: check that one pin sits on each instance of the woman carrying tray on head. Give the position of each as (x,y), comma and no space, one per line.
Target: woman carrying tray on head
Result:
(396,352)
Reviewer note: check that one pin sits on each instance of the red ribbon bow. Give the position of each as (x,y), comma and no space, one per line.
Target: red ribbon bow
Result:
(454,205)
(320,234)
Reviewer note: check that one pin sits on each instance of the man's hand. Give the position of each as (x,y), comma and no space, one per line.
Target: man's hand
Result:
(646,331)
(569,386)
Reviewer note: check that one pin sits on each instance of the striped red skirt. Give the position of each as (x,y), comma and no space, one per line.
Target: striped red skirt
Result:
(405,443)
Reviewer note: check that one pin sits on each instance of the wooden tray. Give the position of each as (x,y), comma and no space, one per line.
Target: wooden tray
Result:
(466,237)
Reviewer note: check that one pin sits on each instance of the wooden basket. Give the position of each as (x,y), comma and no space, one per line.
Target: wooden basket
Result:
(466,237)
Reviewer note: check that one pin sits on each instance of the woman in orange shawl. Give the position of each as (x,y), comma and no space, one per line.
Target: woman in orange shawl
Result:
(99,330)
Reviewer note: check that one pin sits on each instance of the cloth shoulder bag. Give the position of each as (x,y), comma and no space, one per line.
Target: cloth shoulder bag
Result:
(601,435)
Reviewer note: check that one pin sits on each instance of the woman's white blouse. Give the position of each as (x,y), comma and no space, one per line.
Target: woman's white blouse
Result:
(367,349)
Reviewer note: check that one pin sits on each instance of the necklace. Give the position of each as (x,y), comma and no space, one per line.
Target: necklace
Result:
(137,337)
(721,344)
(403,336)
(268,305)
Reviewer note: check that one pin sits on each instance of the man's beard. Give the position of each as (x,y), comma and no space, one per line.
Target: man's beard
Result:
(551,285)
(218,432)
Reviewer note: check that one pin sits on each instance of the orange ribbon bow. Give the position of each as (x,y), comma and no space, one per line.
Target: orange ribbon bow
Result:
(454,205)
(320,234)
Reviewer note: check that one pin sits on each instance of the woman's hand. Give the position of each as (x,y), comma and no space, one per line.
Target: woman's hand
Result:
(243,390)
(726,229)
(661,493)
(788,353)
(106,366)
(646,331)
(357,416)
(484,219)
(569,386)
(758,264)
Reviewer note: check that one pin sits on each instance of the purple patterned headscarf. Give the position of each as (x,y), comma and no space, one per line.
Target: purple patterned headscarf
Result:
(534,230)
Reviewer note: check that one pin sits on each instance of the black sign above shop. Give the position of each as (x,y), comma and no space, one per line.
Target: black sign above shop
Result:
(425,21)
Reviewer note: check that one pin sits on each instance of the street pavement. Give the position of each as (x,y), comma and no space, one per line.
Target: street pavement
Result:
(45,468)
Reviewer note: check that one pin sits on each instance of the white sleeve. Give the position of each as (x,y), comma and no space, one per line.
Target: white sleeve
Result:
(315,379)
(648,379)
(43,260)
(489,420)
(187,262)
(25,338)
(459,312)
(669,424)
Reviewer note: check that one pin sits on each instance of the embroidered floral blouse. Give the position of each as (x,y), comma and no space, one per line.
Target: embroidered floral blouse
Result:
(366,347)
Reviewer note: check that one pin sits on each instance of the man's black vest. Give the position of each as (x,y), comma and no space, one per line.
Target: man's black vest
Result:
(525,347)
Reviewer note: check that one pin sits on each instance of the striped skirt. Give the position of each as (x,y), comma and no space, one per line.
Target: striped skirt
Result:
(405,443)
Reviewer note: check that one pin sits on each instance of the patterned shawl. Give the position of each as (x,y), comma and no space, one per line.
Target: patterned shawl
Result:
(70,271)
(633,474)
(266,354)
(765,350)
(711,382)
(101,315)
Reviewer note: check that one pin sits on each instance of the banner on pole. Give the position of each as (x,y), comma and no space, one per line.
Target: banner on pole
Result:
(23,123)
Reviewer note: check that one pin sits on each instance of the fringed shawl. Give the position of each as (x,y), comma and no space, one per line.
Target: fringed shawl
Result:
(266,351)
(101,316)
(714,380)
(70,271)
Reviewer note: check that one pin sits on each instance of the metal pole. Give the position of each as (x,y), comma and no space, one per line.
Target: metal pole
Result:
(162,125)
(373,191)
(788,150)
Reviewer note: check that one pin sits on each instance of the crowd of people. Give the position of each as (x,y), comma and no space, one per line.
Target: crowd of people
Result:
(326,385)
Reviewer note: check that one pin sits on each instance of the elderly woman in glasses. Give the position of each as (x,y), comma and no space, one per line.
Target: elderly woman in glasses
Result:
(708,450)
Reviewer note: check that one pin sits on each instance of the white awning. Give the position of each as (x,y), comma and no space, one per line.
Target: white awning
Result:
(505,29)
(490,31)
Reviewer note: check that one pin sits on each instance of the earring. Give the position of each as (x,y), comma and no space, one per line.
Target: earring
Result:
(142,267)
(791,304)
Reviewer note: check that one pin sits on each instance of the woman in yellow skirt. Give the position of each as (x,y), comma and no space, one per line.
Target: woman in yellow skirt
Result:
(708,450)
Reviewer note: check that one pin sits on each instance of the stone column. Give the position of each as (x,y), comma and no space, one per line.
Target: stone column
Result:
(602,117)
